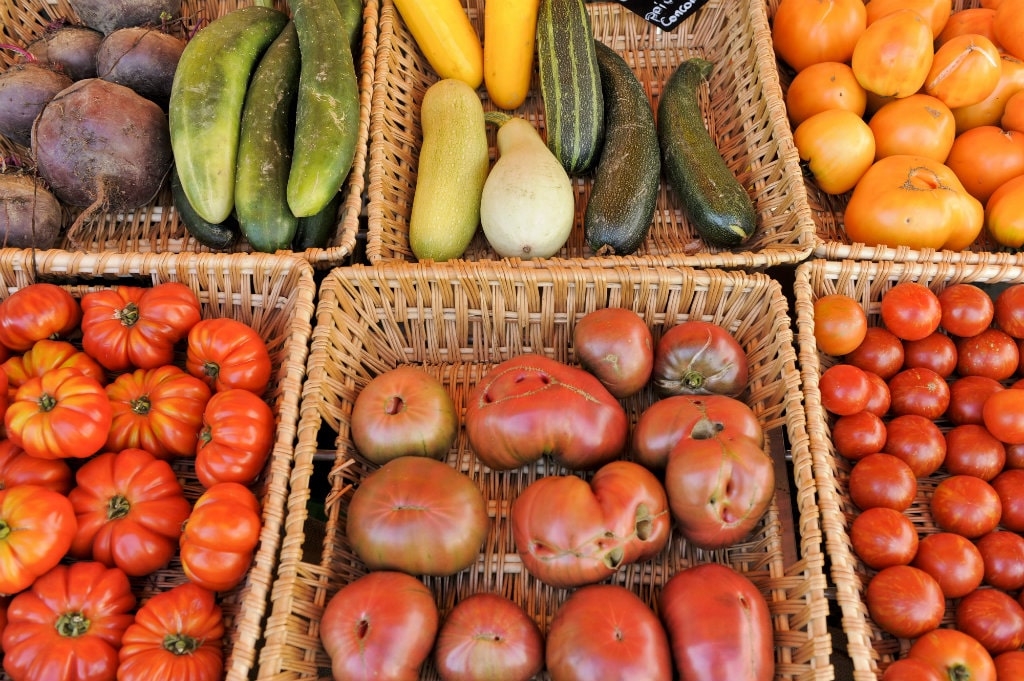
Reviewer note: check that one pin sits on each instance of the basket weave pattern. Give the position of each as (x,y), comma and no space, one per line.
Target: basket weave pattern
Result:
(742,107)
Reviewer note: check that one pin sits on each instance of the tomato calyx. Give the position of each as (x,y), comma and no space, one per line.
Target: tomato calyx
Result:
(211,370)
(47,402)
(128,315)
(181,644)
(5,530)
(959,672)
(141,405)
(118,507)
(72,624)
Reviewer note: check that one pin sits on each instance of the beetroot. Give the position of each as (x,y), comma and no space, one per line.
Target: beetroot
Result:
(141,58)
(30,216)
(24,90)
(103,146)
(71,47)
(109,15)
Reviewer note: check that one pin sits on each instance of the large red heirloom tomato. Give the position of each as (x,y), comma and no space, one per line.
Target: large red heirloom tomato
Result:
(220,536)
(227,353)
(530,405)
(381,626)
(604,631)
(488,636)
(49,354)
(236,438)
(570,532)
(696,357)
(35,312)
(37,526)
(718,624)
(417,515)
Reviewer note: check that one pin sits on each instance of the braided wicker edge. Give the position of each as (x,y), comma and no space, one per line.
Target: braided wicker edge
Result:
(293,649)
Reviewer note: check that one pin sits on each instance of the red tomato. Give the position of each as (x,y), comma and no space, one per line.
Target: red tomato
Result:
(991,353)
(227,353)
(910,310)
(966,309)
(1003,555)
(488,636)
(35,312)
(911,670)
(236,438)
(179,632)
(69,625)
(1010,665)
(732,641)
(904,601)
(917,441)
(606,631)
(854,436)
(36,529)
(616,345)
(972,450)
(880,399)
(840,324)
(417,515)
(1009,310)
(844,389)
(882,537)
(993,618)
(881,352)
(919,391)
(952,560)
(1003,415)
(699,358)
(965,505)
(955,654)
(130,508)
(220,536)
(508,416)
(936,351)
(1009,485)
(882,480)
(49,354)
(18,468)
(967,396)
(1015,456)
(570,532)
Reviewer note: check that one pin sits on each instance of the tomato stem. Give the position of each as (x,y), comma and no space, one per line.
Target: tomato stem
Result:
(72,624)
(5,529)
(181,644)
(128,315)
(694,380)
(47,402)
(118,507)
(141,405)
(211,369)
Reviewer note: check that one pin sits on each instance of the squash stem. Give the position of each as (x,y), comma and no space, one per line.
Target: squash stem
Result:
(498,118)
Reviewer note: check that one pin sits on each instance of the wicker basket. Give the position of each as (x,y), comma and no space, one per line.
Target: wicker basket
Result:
(742,110)
(156,226)
(456,322)
(272,294)
(869,648)
(831,241)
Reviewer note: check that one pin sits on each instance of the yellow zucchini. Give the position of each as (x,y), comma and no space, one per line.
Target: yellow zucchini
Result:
(443,32)
(510,31)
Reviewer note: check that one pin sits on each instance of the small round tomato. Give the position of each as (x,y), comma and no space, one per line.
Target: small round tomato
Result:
(911,310)
(840,324)
(919,391)
(882,480)
(822,86)
(991,353)
(966,310)
(1009,310)
(904,601)
(1015,456)
(985,157)
(854,436)
(967,396)
(955,654)
(1003,415)
(993,618)
(1004,212)
(1002,553)
(882,537)
(965,70)
(837,147)
(880,399)
(919,124)
(917,441)
(972,450)
(952,560)
(911,670)
(1009,665)
(806,32)
(844,389)
(936,352)
(881,352)
(966,505)
(1009,485)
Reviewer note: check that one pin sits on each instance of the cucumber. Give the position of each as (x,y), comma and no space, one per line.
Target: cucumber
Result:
(215,237)
(327,111)
(265,147)
(570,84)
(316,230)
(205,107)
(352,18)
(628,173)
(715,202)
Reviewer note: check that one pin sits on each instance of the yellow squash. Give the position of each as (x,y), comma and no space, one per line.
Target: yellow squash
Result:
(510,30)
(443,32)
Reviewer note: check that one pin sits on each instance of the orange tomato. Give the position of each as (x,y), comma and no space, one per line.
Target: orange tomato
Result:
(989,110)
(806,32)
(840,324)
(1009,26)
(894,54)
(837,147)
(822,86)
(964,71)
(915,202)
(1013,113)
(976,20)
(935,12)
(985,157)
(1004,213)
(990,4)
(919,124)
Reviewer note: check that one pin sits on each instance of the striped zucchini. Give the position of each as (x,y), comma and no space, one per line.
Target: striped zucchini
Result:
(570,84)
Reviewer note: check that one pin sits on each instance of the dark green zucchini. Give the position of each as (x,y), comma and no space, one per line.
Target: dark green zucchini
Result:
(716,204)
(216,237)
(625,190)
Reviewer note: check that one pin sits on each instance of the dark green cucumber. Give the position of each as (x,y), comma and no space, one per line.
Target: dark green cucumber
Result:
(205,108)
(352,18)
(625,190)
(570,84)
(316,230)
(265,147)
(715,202)
(217,237)
(327,111)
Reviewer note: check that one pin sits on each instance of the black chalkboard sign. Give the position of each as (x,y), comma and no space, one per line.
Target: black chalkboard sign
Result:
(665,14)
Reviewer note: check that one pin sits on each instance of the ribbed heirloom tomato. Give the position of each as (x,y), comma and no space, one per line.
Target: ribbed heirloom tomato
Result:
(49,354)
(38,311)
(220,536)
(236,438)
(227,353)
(37,526)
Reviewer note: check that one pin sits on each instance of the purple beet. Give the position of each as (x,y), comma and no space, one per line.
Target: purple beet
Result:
(24,90)
(30,216)
(70,46)
(141,58)
(109,15)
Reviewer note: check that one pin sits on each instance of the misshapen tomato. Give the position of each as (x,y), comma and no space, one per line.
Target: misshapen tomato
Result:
(509,416)
(719,625)
(699,358)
